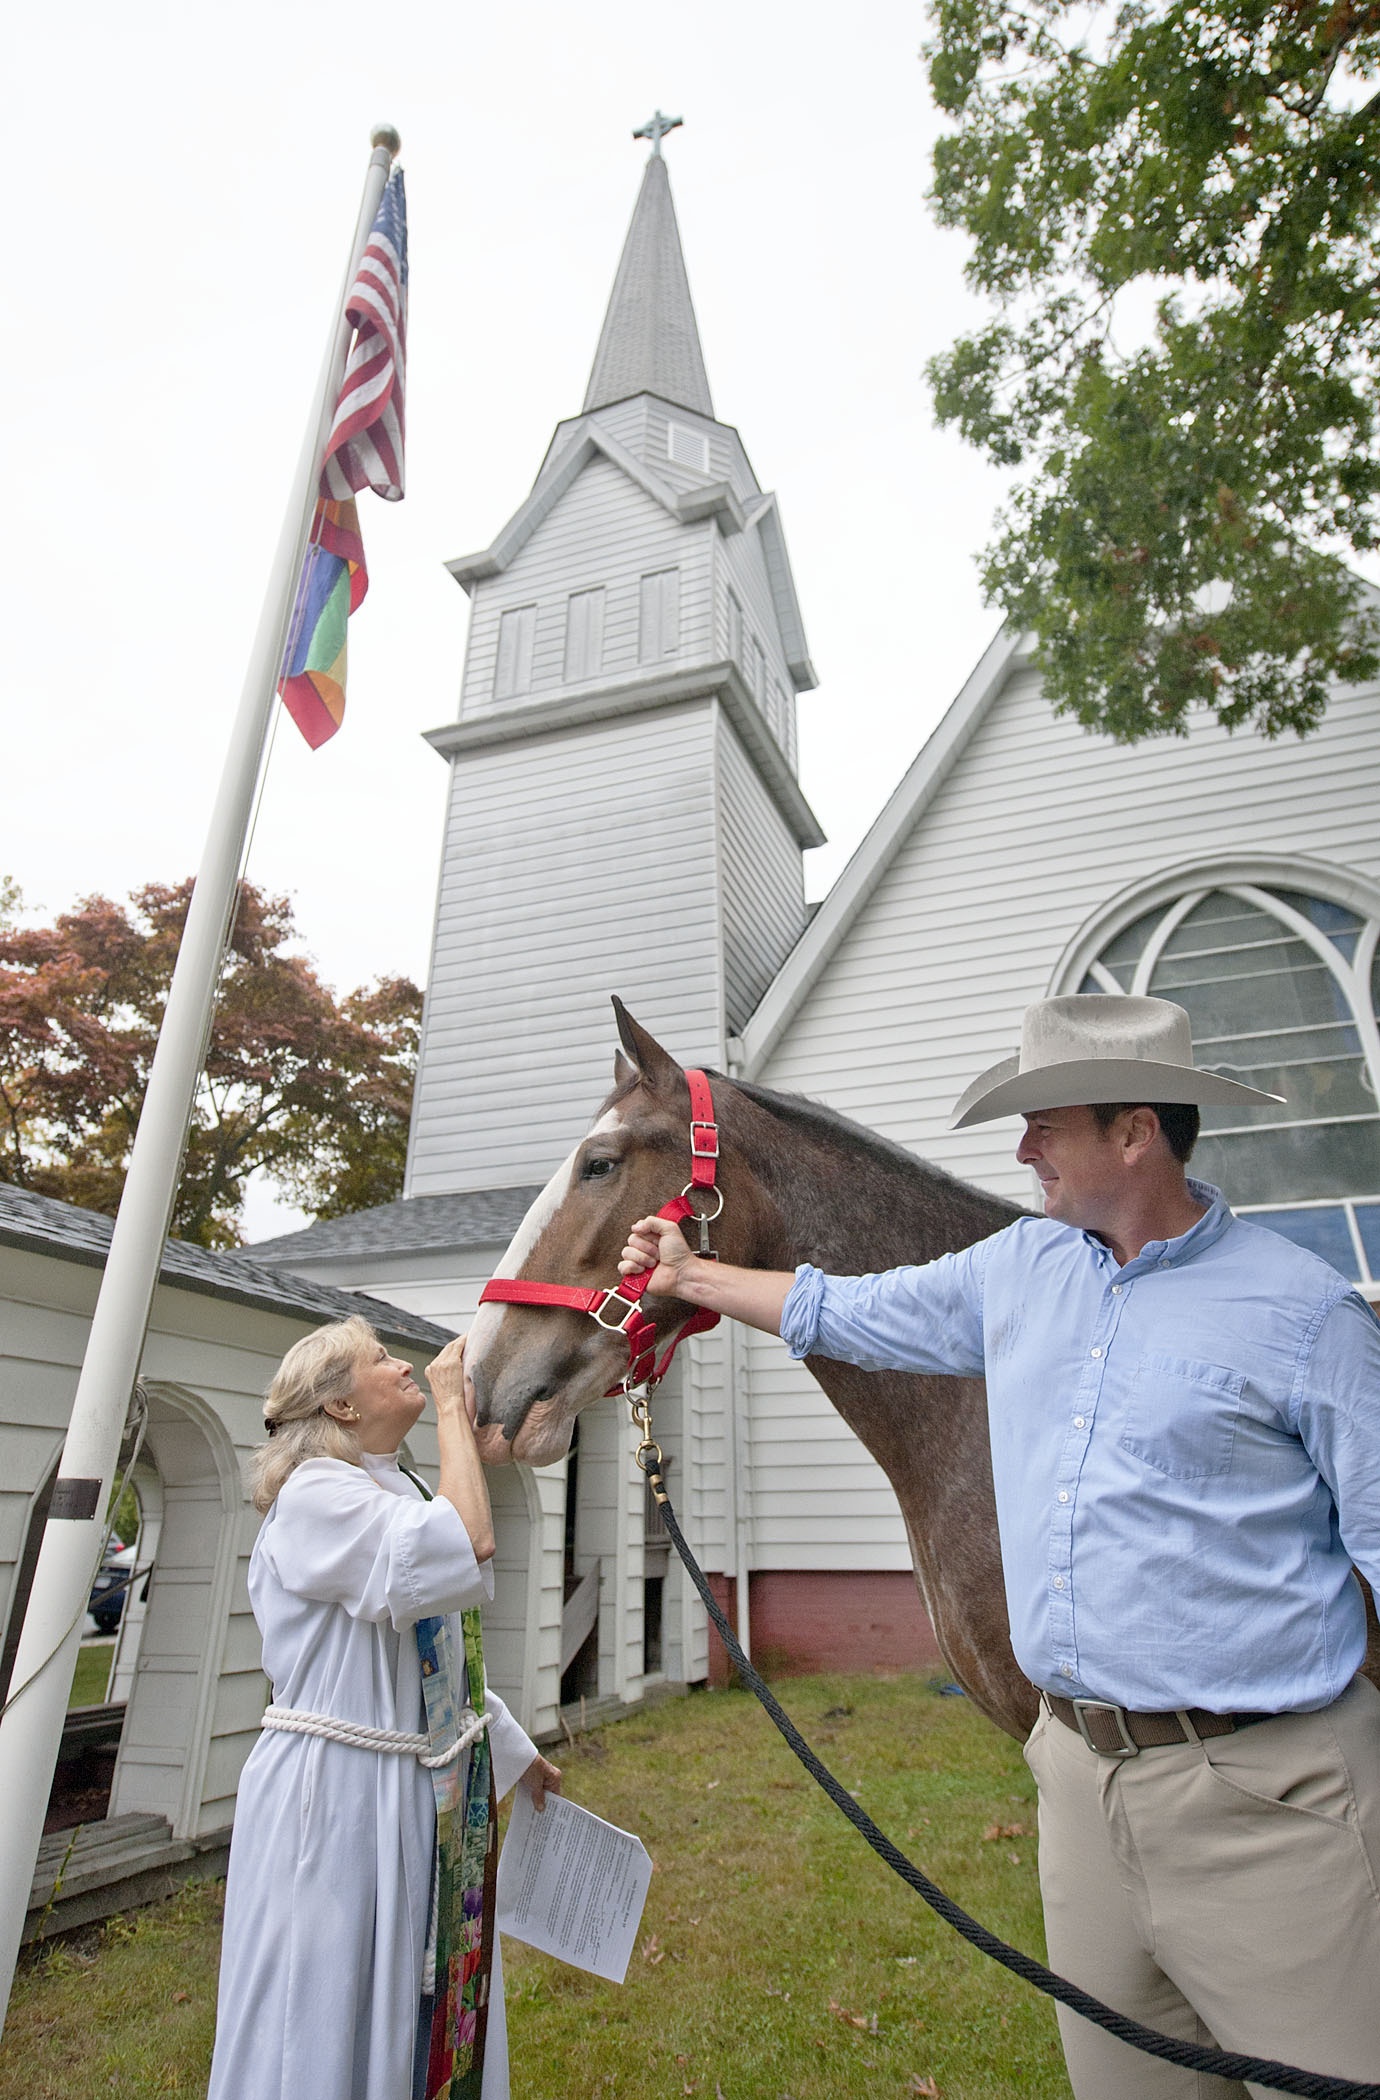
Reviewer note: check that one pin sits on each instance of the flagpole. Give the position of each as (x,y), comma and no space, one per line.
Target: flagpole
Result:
(31,1726)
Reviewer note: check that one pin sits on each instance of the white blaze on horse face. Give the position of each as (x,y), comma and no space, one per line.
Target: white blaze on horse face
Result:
(485,1324)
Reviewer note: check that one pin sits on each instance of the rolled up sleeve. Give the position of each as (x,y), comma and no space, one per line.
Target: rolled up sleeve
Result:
(925,1318)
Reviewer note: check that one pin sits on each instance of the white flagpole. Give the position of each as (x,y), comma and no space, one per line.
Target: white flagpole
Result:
(31,1725)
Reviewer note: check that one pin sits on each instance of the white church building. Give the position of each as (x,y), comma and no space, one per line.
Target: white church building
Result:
(635,649)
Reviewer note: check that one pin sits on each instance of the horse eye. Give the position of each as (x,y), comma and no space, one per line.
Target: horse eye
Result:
(595,1169)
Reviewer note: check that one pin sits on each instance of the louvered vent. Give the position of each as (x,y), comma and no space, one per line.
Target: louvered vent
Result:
(688,448)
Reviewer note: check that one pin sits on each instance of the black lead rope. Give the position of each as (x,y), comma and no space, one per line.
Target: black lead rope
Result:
(1220,2063)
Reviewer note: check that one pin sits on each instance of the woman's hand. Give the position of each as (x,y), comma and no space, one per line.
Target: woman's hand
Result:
(541,1779)
(451,1386)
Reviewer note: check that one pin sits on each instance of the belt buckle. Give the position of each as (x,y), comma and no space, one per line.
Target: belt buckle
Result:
(1083,1707)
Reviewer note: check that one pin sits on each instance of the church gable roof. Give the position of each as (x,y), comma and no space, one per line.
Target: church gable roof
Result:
(42,1224)
(591,442)
(650,342)
(838,913)
(411,1224)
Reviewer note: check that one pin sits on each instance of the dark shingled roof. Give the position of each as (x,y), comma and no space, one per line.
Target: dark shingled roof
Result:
(473,1218)
(41,1223)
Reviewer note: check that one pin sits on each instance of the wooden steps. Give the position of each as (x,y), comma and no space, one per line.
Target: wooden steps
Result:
(114,1865)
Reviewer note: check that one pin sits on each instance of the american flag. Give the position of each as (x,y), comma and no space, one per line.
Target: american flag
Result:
(365,447)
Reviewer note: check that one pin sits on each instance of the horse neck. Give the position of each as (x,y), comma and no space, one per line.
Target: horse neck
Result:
(848,1202)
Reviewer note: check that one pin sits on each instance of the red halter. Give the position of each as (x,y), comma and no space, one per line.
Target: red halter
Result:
(619,1310)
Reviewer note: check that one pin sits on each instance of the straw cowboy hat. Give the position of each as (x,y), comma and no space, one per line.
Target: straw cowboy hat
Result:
(1096,1047)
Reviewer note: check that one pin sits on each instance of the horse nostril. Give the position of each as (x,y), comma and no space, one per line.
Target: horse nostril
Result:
(479,1379)
(521,1404)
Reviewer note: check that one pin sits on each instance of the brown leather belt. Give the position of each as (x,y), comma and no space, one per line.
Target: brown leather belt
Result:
(1113,1732)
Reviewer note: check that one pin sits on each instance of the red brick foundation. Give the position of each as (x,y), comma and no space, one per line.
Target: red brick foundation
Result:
(809,1621)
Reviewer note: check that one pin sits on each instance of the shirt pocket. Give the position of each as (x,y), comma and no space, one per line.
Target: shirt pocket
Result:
(1181,1416)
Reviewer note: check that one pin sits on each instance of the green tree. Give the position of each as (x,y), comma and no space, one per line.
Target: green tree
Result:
(312,1090)
(1174,208)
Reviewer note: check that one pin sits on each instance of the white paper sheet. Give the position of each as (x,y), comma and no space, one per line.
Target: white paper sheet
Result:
(572,1885)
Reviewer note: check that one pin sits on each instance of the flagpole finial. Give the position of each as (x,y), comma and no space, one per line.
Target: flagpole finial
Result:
(386,135)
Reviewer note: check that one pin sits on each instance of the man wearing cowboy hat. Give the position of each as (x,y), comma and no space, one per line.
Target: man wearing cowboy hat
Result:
(1185,1417)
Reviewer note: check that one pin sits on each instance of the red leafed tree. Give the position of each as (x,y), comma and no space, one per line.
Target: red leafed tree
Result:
(312,1090)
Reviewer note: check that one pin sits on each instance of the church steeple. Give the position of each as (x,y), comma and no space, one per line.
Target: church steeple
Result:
(650,343)
(628,701)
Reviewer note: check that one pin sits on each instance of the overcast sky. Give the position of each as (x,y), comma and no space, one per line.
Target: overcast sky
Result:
(191,181)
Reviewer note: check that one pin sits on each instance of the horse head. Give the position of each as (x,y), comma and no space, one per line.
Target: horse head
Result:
(535,1366)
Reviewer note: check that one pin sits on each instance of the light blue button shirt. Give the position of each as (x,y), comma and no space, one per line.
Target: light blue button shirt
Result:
(1186,1451)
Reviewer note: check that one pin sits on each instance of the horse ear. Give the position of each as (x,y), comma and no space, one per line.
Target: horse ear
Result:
(645,1056)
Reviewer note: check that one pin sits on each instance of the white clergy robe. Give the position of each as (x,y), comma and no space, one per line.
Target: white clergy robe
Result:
(330,1874)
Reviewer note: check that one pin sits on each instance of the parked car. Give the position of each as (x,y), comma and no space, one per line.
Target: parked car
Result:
(111,1587)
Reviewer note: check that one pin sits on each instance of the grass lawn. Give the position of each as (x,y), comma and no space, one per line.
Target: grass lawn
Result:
(778,1959)
(92,1673)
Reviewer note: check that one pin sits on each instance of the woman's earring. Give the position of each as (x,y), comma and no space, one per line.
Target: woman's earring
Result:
(353,1415)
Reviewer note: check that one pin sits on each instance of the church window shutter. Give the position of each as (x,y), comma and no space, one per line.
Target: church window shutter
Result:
(759,675)
(688,448)
(658,629)
(516,633)
(735,630)
(1282,987)
(584,634)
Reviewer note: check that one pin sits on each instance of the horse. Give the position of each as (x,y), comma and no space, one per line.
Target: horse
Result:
(800,1183)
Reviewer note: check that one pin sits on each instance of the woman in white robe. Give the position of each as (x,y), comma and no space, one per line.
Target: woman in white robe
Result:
(330,1880)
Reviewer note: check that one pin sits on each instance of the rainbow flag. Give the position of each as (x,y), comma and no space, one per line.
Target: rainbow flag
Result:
(331,587)
(364,450)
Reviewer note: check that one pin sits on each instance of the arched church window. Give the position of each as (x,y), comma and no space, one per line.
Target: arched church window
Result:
(1282,987)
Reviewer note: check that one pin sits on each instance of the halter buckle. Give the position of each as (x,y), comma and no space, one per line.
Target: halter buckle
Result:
(631,1308)
(700,1150)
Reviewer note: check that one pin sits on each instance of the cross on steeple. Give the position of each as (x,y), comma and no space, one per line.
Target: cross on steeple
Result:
(656,131)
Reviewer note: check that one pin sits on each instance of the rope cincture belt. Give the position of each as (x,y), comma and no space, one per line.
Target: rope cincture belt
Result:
(294,1720)
(618,1309)
(1220,2063)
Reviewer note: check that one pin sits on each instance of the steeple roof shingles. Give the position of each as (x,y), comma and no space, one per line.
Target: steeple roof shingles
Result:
(650,343)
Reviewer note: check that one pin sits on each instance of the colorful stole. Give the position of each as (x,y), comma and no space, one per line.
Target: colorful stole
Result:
(466,1861)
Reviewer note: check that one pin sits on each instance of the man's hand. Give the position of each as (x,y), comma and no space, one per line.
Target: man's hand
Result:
(659,1245)
(451,1389)
(755,1296)
(541,1779)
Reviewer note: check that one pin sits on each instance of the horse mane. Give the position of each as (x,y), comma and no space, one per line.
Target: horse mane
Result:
(936,1194)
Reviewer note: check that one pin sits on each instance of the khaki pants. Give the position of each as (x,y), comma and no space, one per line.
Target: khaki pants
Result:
(1225,1892)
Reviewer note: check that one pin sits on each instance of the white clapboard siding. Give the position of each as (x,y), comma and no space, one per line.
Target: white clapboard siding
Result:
(727,460)
(639,425)
(607,531)
(1036,828)
(545,840)
(819,1500)
(199,1688)
(761,881)
(742,569)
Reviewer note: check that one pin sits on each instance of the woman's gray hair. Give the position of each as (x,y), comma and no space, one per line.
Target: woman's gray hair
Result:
(319,1368)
